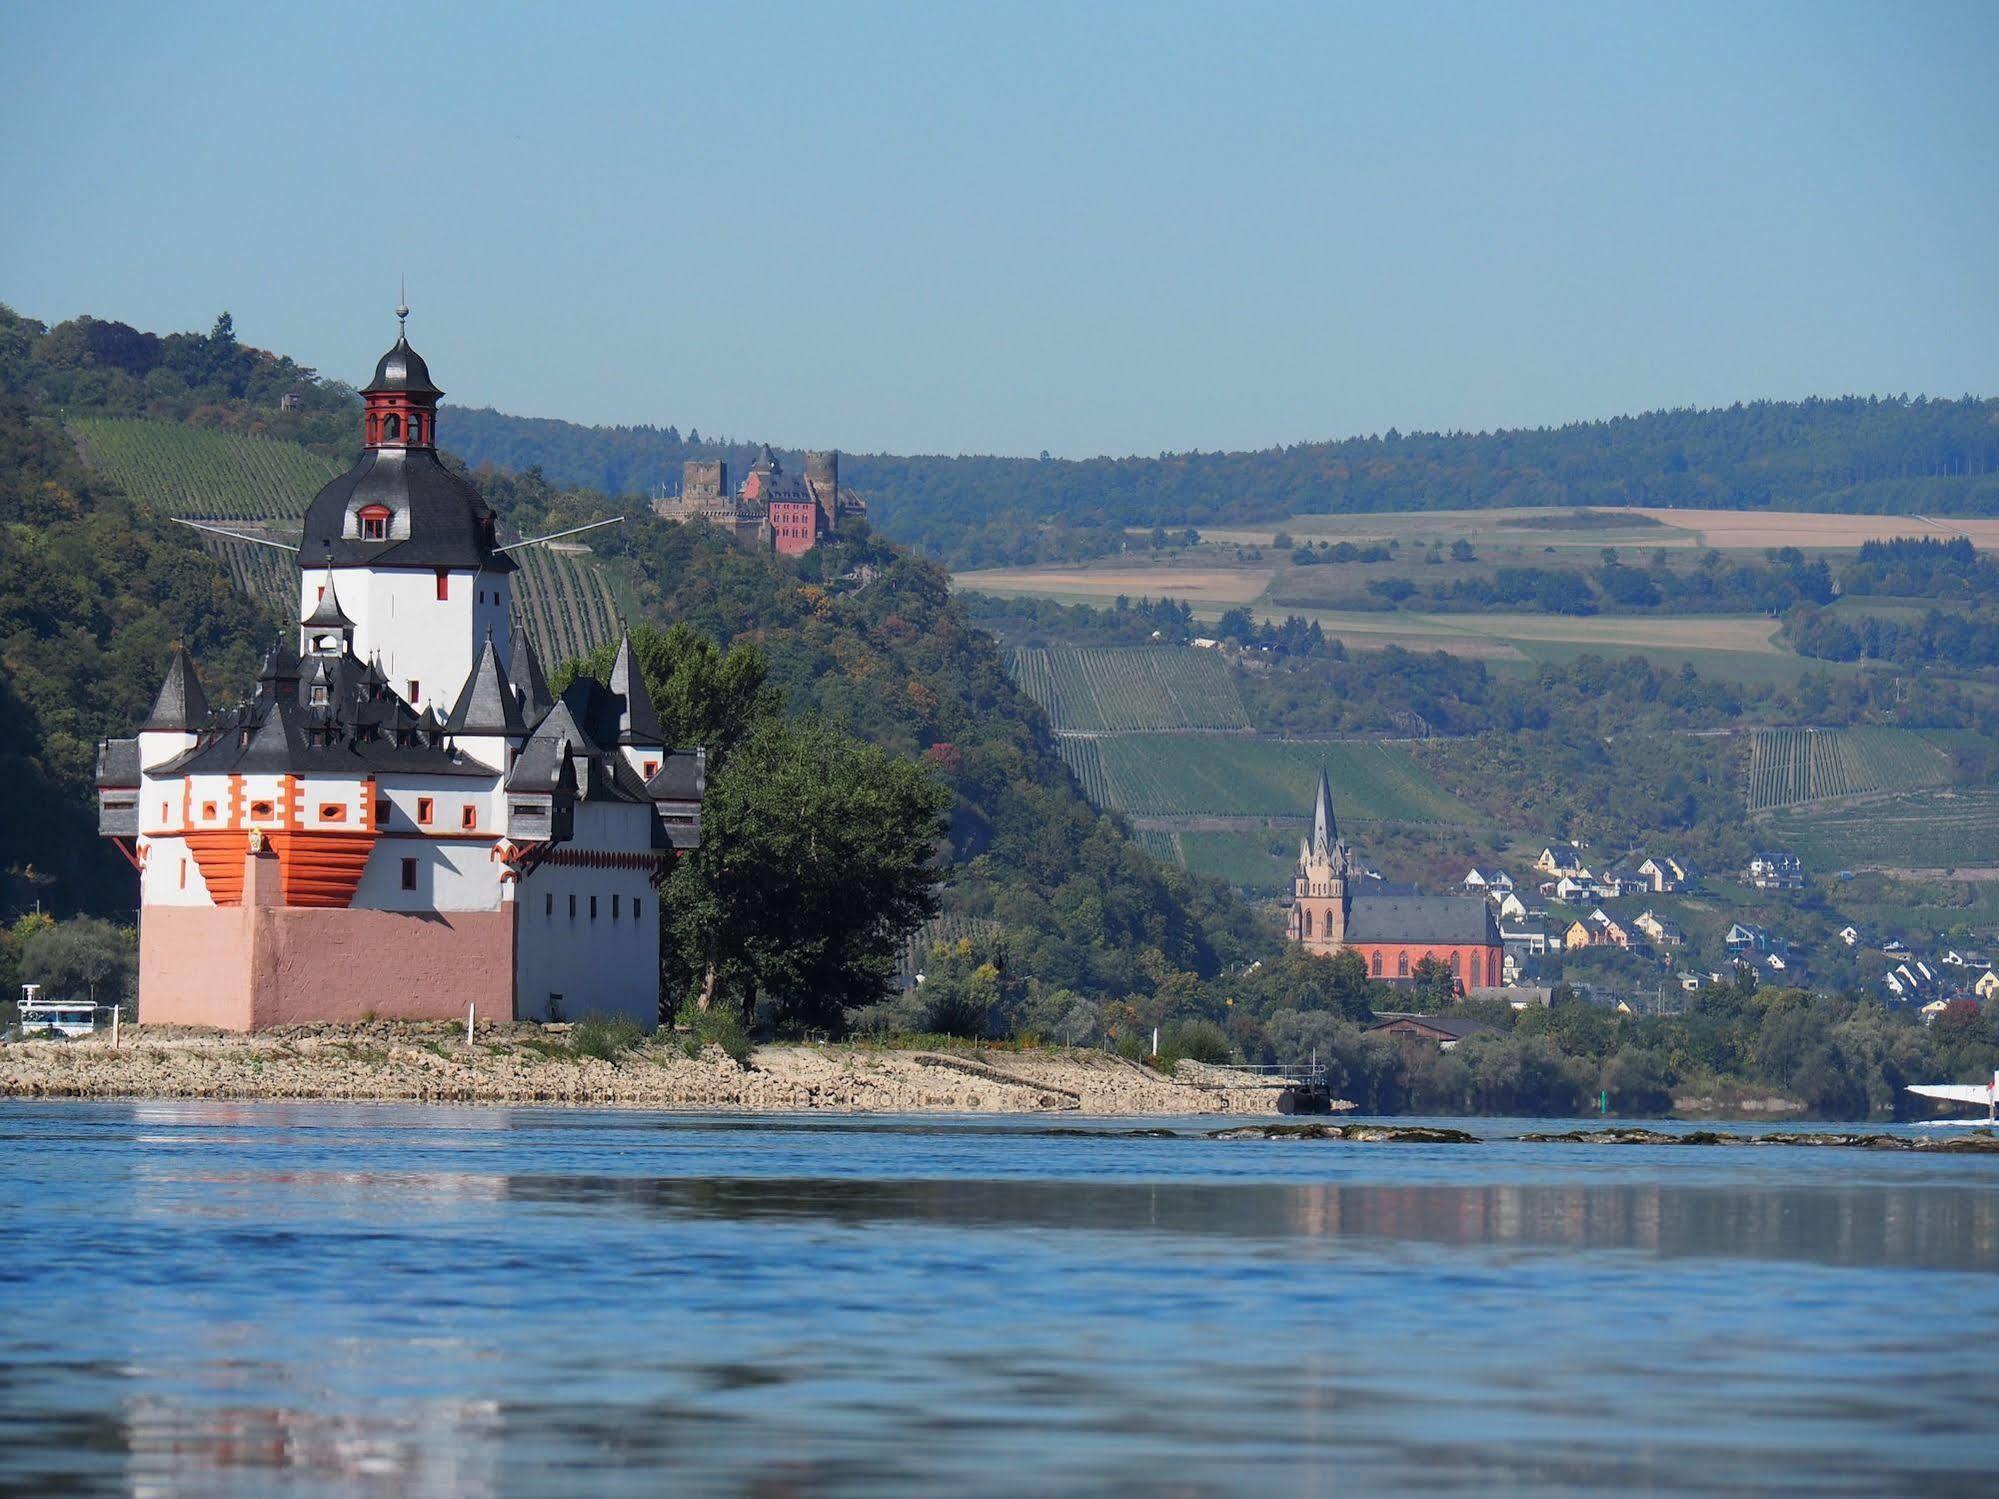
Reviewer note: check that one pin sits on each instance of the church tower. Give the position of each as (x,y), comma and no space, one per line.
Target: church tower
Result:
(411,546)
(1321,892)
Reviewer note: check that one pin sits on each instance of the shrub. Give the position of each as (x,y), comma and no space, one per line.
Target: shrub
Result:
(719,1025)
(1194,1041)
(605,1038)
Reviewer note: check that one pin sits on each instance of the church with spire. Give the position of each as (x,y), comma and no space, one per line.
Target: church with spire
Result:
(1392,933)
(402,821)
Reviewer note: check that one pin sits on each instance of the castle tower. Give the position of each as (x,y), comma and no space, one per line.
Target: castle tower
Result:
(422,581)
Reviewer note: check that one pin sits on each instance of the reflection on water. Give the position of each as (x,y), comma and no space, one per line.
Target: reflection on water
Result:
(242,1299)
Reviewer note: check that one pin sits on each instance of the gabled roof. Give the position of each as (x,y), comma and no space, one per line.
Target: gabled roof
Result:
(486,703)
(181,706)
(1446,1027)
(1464,920)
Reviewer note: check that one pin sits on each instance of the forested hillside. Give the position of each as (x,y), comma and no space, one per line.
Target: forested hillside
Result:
(96,587)
(1892,455)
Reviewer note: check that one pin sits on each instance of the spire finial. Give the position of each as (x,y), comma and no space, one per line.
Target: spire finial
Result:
(402,306)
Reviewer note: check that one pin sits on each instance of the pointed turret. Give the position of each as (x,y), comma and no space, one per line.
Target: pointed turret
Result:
(181,706)
(638,722)
(1325,828)
(327,613)
(486,703)
(524,675)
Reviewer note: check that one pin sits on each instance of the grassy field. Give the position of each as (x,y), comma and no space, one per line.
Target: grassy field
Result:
(1160,775)
(1259,862)
(1934,829)
(1789,767)
(262,486)
(1121,690)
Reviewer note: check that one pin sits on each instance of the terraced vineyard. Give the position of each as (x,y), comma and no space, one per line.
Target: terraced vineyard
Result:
(1947,829)
(205,475)
(261,486)
(1791,767)
(565,600)
(254,484)
(1080,754)
(1159,775)
(1131,689)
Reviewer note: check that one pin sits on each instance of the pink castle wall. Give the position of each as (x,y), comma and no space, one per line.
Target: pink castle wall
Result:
(262,964)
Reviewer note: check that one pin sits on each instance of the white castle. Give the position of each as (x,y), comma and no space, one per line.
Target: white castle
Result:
(402,822)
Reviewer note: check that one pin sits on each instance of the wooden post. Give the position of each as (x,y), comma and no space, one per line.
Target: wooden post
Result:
(471,1020)
(114,1027)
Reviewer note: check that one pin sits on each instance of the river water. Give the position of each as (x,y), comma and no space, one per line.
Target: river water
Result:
(218,1299)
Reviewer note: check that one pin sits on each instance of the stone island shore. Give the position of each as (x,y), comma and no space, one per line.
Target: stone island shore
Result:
(531,1064)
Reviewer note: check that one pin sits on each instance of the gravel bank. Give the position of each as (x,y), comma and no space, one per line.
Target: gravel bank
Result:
(534,1064)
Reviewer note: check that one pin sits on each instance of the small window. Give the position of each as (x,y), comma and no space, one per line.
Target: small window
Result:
(549,908)
(572,908)
(593,908)
(392,428)
(635,908)
(652,769)
(423,811)
(469,818)
(443,584)
(614,908)
(257,809)
(208,811)
(381,811)
(332,812)
(409,874)
(183,874)
(415,692)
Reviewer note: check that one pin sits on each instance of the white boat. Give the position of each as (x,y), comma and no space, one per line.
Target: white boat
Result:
(1985,1093)
(65,1017)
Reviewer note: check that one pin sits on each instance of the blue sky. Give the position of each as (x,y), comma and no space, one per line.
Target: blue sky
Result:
(1004,228)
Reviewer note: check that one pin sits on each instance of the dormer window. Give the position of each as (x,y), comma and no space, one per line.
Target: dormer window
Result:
(374,521)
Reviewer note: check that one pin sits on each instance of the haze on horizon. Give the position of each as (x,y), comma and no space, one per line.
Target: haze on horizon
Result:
(1123,229)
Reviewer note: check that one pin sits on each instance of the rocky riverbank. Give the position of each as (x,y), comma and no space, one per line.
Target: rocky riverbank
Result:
(526,1064)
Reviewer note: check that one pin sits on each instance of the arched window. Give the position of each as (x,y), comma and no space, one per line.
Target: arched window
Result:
(1457,965)
(374,521)
(1377,965)
(1491,968)
(392,428)
(1308,923)
(1402,965)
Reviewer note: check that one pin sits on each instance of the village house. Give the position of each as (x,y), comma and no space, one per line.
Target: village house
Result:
(1658,930)
(1446,1031)
(1666,876)
(1509,906)
(1559,859)
(1775,871)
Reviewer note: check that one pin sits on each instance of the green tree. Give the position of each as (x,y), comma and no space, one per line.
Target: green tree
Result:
(704,695)
(85,958)
(819,856)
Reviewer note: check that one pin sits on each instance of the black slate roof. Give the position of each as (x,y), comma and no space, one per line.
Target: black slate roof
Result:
(1465,920)
(438,519)
(181,705)
(327,613)
(359,728)
(117,762)
(486,703)
(682,777)
(402,369)
(524,673)
(638,722)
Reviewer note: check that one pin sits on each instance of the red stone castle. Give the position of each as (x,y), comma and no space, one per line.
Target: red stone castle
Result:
(772,510)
